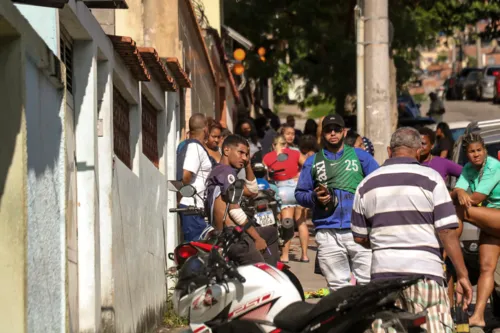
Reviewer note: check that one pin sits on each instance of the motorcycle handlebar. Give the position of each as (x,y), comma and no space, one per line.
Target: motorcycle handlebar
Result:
(191,210)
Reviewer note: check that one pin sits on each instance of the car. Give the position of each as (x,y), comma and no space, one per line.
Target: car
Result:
(470,85)
(469,240)
(407,107)
(486,82)
(456,84)
(457,128)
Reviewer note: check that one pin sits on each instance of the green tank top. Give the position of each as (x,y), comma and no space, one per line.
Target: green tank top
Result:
(343,174)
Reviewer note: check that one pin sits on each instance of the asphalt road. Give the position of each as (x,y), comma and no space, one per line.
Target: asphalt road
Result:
(467,110)
(455,111)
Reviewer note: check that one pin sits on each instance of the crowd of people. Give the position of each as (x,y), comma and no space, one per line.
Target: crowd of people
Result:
(372,222)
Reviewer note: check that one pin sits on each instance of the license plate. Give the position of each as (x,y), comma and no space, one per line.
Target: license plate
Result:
(265,218)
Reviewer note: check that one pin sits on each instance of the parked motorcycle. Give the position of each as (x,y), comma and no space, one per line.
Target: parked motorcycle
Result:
(266,206)
(220,297)
(210,237)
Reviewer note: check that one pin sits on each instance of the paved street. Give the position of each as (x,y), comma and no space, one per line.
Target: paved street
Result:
(455,111)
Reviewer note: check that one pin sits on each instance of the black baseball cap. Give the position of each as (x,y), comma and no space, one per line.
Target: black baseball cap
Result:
(333,119)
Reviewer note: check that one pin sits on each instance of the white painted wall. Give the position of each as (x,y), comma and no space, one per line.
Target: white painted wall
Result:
(138,245)
(46,274)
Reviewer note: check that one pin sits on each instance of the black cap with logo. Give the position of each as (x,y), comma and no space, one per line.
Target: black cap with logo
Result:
(333,119)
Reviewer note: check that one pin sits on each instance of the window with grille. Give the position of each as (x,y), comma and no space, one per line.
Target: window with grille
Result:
(66,49)
(121,128)
(150,131)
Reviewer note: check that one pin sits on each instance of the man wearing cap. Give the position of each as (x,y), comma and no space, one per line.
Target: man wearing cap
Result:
(327,184)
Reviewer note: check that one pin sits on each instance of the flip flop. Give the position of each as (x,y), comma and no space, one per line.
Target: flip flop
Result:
(284,262)
(304,260)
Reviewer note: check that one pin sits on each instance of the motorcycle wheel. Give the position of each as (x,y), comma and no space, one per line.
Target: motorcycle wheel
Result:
(295,282)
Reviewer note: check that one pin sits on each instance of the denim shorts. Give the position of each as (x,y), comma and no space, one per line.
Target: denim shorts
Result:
(287,192)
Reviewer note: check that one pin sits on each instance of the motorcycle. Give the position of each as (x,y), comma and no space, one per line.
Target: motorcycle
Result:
(183,251)
(220,297)
(265,207)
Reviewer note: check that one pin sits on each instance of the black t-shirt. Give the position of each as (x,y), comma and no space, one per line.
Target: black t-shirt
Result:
(441,145)
(221,177)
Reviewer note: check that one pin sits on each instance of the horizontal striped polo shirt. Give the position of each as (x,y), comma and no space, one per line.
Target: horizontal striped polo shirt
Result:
(401,207)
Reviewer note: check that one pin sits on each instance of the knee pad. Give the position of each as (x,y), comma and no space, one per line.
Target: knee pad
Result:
(287,229)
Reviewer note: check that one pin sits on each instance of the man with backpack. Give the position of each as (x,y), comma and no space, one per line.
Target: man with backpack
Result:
(193,167)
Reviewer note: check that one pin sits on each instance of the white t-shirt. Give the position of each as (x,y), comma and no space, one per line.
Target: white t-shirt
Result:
(198,162)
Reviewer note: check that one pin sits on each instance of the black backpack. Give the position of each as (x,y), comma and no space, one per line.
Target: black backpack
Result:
(181,156)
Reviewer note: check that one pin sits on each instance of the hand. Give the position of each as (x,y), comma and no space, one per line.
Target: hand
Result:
(260,244)
(464,291)
(464,198)
(323,195)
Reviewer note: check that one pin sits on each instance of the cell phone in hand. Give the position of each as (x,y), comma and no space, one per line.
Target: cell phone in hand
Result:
(323,187)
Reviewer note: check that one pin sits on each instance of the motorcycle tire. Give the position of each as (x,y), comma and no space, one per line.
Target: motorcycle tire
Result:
(287,230)
(295,281)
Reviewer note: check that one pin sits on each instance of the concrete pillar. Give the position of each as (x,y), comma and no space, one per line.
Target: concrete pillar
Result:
(85,97)
(105,146)
(13,184)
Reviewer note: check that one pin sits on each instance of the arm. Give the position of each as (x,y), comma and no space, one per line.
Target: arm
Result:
(359,224)
(250,179)
(444,153)
(219,209)
(445,222)
(368,163)
(453,169)
(304,192)
(191,164)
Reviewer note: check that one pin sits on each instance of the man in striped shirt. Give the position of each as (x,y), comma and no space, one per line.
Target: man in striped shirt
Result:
(403,212)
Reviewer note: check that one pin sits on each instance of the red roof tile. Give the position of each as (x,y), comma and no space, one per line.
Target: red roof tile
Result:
(157,69)
(127,49)
(179,74)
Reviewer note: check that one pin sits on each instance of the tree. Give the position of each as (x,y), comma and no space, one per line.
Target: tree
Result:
(319,36)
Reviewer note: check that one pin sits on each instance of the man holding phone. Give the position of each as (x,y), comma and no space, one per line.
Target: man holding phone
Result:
(327,184)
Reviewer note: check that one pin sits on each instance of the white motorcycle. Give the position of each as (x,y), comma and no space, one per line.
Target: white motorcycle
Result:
(219,297)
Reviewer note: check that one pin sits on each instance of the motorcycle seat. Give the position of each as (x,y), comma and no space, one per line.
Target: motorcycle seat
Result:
(298,315)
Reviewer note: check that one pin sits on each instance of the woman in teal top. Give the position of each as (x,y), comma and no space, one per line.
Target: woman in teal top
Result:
(477,195)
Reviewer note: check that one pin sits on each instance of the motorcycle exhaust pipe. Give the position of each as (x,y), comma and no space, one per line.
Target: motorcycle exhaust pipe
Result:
(287,229)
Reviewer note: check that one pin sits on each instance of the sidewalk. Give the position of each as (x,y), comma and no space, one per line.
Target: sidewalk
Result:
(305,271)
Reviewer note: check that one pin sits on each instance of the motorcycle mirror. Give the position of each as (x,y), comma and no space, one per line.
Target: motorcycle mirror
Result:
(282,157)
(174,185)
(235,191)
(187,191)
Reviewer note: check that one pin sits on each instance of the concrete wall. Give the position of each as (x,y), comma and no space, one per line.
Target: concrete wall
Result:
(13,175)
(32,181)
(138,246)
(203,90)
(46,202)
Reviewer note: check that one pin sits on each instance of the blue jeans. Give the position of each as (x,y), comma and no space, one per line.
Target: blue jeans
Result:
(192,226)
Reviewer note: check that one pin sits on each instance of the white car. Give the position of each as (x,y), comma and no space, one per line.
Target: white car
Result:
(457,128)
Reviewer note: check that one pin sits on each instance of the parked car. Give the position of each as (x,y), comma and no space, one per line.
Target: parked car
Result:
(470,85)
(456,84)
(486,83)
(457,128)
(496,89)
(490,131)
(407,107)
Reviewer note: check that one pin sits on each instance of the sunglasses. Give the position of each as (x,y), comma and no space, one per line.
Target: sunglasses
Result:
(334,128)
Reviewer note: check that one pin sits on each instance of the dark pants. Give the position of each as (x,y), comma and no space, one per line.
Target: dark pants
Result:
(245,253)
(192,226)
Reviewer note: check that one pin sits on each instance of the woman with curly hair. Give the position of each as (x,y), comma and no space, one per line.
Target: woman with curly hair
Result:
(477,199)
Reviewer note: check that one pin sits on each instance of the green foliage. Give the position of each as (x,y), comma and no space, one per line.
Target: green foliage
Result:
(171,319)
(420,98)
(321,110)
(442,57)
(471,62)
(281,83)
(317,37)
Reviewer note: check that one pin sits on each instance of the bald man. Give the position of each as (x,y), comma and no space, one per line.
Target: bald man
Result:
(196,165)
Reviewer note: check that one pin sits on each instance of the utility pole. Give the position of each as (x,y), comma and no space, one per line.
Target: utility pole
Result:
(377,83)
(479,53)
(360,70)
